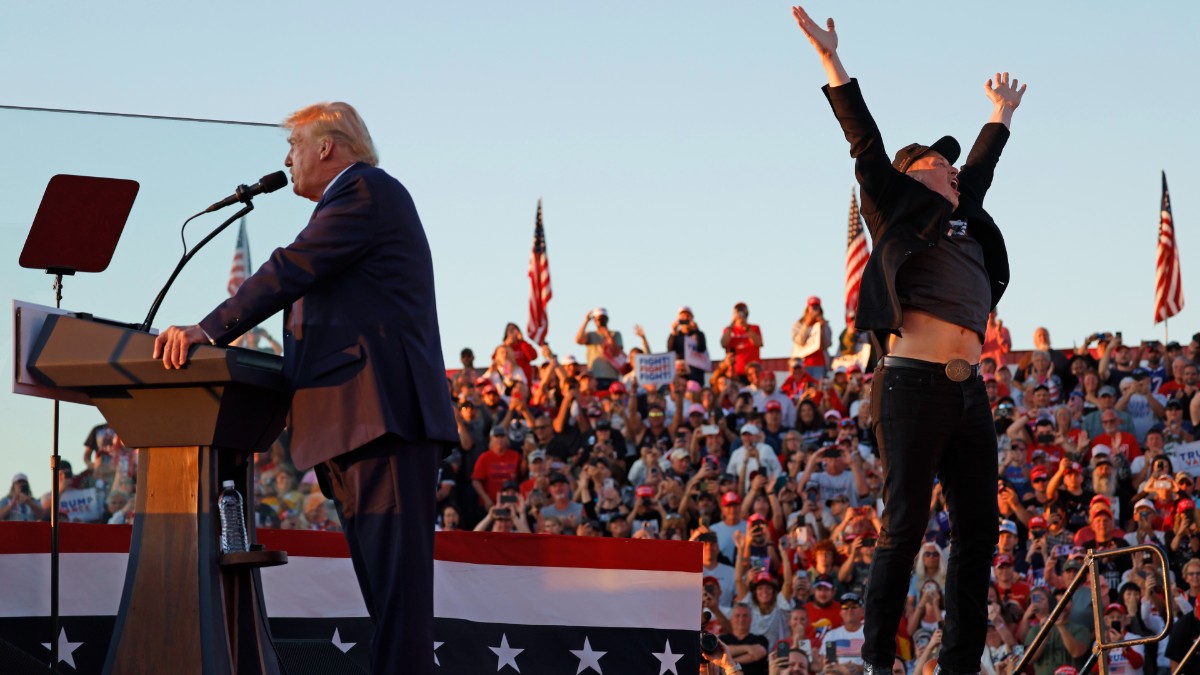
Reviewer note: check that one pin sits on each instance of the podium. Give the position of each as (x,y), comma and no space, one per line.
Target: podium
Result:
(186,608)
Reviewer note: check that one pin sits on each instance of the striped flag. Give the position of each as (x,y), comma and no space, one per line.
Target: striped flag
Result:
(856,258)
(1168,286)
(539,284)
(503,603)
(241,259)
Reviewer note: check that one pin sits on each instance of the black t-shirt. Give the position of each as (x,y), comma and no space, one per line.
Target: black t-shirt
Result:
(949,280)
(1076,507)
(1183,634)
(566,445)
(759,667)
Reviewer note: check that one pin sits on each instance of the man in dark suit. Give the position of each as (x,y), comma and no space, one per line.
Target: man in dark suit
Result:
(362,353)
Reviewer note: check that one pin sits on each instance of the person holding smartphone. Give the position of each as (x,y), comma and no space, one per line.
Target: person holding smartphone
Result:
(19,504)
(939,266)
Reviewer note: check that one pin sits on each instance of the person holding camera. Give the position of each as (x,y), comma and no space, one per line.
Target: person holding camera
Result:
(19,504)
(811,339)
(1127,660)
(1066,644)
(689,344)
(742,339)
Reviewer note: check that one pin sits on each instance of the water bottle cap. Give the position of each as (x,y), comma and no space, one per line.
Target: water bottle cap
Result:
(227,483)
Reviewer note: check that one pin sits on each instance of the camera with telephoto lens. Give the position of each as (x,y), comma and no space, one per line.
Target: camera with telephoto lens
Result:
(709,643)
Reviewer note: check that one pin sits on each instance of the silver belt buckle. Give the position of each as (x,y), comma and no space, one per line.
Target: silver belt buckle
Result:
(958,370)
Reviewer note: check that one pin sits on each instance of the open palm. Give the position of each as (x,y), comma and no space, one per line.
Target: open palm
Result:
(825,41)
(1001,91)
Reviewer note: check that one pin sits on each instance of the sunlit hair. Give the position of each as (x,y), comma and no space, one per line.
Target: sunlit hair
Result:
(339,121)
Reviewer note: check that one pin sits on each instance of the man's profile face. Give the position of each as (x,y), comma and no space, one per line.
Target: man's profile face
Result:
(934,172)
(303,159)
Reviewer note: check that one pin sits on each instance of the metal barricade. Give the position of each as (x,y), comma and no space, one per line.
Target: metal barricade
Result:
(1099,647)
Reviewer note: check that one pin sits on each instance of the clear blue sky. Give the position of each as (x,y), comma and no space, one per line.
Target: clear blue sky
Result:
(684,151)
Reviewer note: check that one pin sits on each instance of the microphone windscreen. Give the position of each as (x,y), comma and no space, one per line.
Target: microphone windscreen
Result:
(273,181)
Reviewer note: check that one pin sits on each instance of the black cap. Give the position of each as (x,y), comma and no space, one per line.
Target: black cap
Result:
(499,431)
(603,424)
(510,485)
(945,146)
(558,478)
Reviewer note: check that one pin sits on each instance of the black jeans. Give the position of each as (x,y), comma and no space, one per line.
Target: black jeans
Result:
(928,427)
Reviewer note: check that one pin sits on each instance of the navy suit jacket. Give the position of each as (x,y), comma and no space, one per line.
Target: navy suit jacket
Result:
(362,349)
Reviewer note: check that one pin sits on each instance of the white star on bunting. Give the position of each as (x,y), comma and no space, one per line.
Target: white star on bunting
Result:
(506,656)
(337,642)
(435,648)
(667,660)
(66,648)
(588,659)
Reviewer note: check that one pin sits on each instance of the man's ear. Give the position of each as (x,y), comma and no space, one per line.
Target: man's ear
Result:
(326,148)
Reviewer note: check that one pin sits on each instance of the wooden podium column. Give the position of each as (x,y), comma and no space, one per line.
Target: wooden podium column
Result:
(186,609)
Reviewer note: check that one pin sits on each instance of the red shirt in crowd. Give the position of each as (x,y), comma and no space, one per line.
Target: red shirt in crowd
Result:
(829,617)
(744,350)
(1018,593)
(1122,442)
(494,469)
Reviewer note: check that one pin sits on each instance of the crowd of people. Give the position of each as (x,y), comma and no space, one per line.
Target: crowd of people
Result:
(777,475)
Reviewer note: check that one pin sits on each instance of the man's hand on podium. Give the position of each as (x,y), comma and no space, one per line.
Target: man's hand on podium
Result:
(172,345)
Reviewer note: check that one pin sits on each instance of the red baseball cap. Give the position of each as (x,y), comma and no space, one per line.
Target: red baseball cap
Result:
(1184,505)
(1114,607)
(644,491)
(762,578)
(1066,670)
(711,580)
(756,518)
(616,388)
(774,406)
(730,498)
(814,301)
(1037,523)
(1002,559)
(1038,472)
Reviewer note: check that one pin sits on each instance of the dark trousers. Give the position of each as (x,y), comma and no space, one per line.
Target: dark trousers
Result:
(931,427)
(385,495)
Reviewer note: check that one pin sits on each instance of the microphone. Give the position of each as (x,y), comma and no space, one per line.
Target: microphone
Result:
(268,183)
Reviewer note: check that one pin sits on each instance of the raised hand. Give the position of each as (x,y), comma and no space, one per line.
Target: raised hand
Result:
(825,41)
(999,89)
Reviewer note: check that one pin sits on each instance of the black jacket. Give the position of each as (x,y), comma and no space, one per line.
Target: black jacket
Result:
(904,216)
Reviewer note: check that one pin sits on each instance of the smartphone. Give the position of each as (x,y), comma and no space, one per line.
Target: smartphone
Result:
(830,653)
(609,483)
(785,542)
(508,499)
(704,486)
(502,513)
(782,649)
(709,429)
(802,536)
(1062,551)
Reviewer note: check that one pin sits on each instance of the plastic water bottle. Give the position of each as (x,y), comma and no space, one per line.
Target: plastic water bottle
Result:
(233,520)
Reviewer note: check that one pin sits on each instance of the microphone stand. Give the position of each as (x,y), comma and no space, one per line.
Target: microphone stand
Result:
(188,256)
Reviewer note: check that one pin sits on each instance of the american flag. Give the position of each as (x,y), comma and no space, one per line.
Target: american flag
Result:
(539,284)
(241,259)
(856,258)
(1168,287)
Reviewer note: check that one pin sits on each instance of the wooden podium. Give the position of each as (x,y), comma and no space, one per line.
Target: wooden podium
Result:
(186,608)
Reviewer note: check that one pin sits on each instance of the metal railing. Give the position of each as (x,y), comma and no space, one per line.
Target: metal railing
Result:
(1099,647)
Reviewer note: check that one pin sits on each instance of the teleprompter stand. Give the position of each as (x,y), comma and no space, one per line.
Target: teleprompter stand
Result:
(76,229)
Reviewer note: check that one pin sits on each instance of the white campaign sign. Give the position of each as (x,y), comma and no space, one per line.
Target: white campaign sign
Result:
(655,370)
